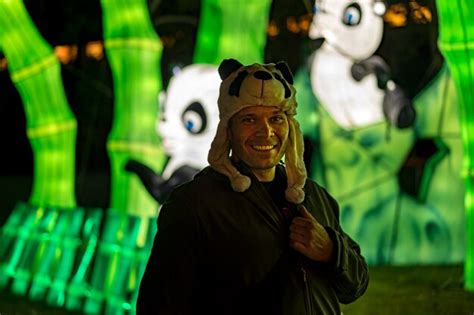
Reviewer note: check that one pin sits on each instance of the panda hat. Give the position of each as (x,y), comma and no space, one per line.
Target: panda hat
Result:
(258,85)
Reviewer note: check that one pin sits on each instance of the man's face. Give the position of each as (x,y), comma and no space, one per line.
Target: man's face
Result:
(259,136)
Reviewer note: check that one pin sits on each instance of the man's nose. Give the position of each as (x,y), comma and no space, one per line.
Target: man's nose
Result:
(265,129)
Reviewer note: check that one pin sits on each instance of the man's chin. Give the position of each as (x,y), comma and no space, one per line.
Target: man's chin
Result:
(263,166)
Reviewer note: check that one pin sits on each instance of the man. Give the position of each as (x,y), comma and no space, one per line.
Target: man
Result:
(249,235)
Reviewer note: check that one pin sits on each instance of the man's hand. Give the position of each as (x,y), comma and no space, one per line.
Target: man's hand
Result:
(309,237)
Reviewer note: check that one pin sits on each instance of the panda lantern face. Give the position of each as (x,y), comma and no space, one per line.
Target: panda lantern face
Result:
(189,115)
(352,28)
(259,137)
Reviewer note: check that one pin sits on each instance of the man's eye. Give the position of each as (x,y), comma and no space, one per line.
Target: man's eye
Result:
(248,120)
(277,119)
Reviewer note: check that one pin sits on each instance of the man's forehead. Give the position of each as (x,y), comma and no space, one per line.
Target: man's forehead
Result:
(255,110)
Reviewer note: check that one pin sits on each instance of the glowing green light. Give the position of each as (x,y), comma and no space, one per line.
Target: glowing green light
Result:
(43,248)
(51,126)
(457,44)
(133,50)
(232,29)
(119,264)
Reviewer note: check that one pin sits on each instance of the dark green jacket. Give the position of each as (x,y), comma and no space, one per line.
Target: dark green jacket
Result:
(218,251)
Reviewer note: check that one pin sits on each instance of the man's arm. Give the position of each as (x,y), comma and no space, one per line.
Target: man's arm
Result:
(333,248)
(171,274)
(350,271)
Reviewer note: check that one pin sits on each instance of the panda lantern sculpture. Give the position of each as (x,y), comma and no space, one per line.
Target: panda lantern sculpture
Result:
(397,183)
(189,118)
(365,78)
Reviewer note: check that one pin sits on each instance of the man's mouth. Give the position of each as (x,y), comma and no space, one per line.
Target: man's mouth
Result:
(263,147)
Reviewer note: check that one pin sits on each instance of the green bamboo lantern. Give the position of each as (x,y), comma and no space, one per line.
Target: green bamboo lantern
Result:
(232,29)
(457,44)
(51,126)
(40,241)
(133,50)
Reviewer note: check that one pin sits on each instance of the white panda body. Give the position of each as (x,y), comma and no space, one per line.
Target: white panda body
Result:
(351,103)
(352,32)
(189,117)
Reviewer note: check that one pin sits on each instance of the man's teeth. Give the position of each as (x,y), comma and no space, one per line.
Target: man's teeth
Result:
(262,147)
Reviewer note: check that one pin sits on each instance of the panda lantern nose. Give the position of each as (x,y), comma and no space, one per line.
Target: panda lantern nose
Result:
(262,75)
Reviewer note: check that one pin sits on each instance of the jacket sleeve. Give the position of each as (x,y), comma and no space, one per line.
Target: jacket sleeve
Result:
(171,275)
(347,268)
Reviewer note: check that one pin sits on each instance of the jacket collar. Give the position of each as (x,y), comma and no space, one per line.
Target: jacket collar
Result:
(259,196)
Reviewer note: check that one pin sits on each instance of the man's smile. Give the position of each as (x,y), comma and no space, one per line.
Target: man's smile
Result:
(263,147)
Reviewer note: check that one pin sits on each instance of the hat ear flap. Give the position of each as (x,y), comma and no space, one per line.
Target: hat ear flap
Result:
(285,71)
(228,66)
(218,158)
(295,167)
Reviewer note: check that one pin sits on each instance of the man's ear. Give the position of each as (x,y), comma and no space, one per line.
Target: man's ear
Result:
(228,66)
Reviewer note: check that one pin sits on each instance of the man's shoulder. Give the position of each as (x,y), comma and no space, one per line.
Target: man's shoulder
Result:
(314,188)
(312,184)
(205,180)
(206,190)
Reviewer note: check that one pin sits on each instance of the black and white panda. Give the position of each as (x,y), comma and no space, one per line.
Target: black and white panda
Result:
(354,84)
(187,124)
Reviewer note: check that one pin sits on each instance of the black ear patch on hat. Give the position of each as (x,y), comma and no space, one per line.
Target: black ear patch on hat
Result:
(234,88)
(228,66)
(285,71)
(285,85)
(266,73)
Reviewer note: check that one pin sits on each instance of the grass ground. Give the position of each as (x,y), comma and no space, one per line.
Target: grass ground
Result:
(429,290)
(418,290)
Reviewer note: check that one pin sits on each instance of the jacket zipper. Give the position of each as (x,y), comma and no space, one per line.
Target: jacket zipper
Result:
(309,307)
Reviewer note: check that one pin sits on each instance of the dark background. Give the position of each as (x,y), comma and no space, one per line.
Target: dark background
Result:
(411,51)
(88,85)
(89,88)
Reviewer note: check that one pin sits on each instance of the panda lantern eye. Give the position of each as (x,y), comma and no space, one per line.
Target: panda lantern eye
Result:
(194,118)
(352,15)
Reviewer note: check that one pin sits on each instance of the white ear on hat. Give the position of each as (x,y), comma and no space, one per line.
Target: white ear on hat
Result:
(295,167)
(233,98)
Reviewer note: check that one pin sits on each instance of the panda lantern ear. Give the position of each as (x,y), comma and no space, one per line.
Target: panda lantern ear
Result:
(228,66)
(285,71)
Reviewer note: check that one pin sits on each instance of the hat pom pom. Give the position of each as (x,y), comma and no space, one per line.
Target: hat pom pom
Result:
(240,183)
(295,195)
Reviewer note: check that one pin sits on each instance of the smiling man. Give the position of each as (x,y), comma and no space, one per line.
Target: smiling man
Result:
(259,136)
(249,234)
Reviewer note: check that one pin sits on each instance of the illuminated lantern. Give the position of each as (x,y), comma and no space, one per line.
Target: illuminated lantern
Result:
(386,131)
(232,29)
(42,242)
(133,50)
(187,126)
(456,38)
(51,126)
(190,118)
